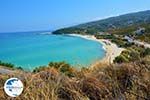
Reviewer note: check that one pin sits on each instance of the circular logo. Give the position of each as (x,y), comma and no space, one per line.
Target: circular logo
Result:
(13,87)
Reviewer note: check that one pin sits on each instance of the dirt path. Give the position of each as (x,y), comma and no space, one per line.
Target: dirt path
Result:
(5,70)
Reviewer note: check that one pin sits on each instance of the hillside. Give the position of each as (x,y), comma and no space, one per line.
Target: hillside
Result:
(58,81)
(105,25)
(139,32)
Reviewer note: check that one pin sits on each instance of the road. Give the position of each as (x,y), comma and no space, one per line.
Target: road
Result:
(146,45)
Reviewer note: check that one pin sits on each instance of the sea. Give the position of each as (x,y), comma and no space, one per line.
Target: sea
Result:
(33,49)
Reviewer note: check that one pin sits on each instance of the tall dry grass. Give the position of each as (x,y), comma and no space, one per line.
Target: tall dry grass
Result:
(126,81)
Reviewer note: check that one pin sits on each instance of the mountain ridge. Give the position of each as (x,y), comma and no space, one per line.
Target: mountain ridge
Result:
(104,25)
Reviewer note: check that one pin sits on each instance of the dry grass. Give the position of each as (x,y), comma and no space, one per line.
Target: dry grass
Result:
(127,81)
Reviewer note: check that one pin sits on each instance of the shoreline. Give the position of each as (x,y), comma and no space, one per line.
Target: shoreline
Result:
(112,50)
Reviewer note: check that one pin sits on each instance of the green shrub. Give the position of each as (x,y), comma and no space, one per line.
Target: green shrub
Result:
(121,59)
(9,65)
(60,66)
(38,69)
(145,52)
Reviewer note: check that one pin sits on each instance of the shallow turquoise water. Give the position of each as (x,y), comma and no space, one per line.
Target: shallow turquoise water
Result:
(32,49)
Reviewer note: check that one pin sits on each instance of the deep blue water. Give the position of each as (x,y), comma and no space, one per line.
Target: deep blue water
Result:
(33,49)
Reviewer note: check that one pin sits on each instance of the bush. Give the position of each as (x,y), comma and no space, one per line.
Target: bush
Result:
(121,59)
(38,69)
(145,52)
(60,66)
(9,65)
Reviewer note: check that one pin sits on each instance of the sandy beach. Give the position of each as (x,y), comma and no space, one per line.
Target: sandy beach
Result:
(112,50)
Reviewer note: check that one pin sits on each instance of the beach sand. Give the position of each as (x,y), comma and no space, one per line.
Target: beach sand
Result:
(112,50)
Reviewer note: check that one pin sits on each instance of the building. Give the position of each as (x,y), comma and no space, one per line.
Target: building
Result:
(140,31)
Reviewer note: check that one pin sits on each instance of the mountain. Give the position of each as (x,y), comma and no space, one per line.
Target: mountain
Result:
(108,24)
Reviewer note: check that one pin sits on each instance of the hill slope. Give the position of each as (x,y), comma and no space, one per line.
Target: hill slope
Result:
(58,81)
(104,25)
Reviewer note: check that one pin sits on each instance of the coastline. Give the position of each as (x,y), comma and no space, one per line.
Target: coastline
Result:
(112,50)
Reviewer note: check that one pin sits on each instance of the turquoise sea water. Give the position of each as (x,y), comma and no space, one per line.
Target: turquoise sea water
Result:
(32,49)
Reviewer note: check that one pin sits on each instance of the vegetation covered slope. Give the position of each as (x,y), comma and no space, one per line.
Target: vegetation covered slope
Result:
(139,32)
(58,81)
(109,23)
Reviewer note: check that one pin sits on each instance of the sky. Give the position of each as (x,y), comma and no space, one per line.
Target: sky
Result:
(35,15)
